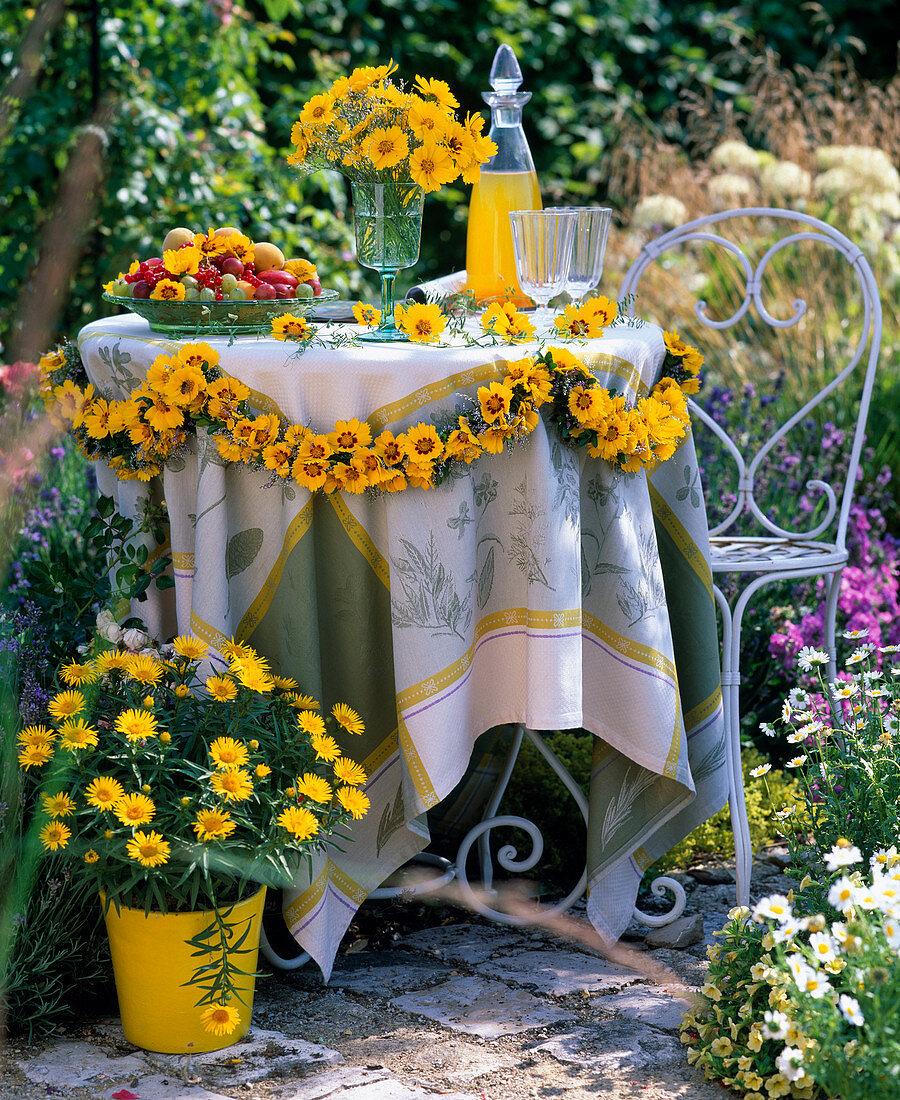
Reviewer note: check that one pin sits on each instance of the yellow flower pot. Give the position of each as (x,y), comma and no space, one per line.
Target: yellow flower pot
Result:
(152,961)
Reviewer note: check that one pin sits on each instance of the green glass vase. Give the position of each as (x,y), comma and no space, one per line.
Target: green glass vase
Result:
(387,218)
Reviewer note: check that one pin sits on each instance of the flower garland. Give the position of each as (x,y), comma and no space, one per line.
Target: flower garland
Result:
(186,391)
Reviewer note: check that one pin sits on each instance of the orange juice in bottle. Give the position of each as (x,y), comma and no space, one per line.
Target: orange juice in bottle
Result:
(508,182)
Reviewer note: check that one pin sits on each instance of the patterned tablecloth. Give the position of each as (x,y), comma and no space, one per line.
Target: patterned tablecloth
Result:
(538,586)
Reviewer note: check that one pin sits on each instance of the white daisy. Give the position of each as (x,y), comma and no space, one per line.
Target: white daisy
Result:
(775,906)
(859,654)
(775,1024)
(891,928)
(809,656)
(841,896)
(767,728)
(795,738)
(796,762)
(852,635)
(761,770)
(842,855)
(822,947)
(850,1010)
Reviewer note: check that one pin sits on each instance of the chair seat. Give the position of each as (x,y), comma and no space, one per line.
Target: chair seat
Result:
(736,554)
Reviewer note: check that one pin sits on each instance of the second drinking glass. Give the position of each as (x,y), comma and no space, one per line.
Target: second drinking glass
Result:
(542,242)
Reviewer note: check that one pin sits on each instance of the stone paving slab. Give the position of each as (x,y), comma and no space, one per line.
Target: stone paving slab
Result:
(471,944)
(385,973)
(72,1065)
(360,1084)
(158,1087)
(560,972)
(645,1006)
(257,1057)
(617,1045)
(478,1006)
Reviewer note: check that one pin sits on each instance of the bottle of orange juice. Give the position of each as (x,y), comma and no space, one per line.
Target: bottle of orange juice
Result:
(508,182)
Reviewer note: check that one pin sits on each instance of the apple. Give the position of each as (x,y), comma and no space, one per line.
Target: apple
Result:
(231,265)
(265,292)
(284,291)
(316,287)
(141,289)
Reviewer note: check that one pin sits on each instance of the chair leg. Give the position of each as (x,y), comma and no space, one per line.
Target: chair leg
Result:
(731,678)
(832,594)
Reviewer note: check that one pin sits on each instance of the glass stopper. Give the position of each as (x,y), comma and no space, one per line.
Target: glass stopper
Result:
(506,76)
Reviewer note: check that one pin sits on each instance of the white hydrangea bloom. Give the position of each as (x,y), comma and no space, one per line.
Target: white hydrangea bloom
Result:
(663,211)
(736,156)
(786,179)
(729,185)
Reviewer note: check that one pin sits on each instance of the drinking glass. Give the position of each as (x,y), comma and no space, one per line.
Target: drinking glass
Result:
(591,226)
(542,243)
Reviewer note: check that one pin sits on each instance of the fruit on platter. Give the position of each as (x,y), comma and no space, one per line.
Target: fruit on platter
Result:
(220,265)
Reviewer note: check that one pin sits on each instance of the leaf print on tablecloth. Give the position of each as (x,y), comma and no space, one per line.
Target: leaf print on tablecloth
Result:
(116,360)
(431,601)
(241,551)
(710,763)
(619,809)
(485,491)
(393,817)
(526,543)
(636,601)
(460,521)
(688,489)
(565,470)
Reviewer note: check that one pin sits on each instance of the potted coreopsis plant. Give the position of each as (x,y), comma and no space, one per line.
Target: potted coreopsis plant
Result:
(394,144)
(186,789)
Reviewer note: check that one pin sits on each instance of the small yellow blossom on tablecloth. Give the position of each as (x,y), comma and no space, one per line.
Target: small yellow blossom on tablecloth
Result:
(423,324)
(289,327)
(364,314)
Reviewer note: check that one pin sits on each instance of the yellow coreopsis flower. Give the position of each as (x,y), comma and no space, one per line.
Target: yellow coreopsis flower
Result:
(301,269)
(135,809)
(104,792)
(232,784)
(494,401)
(350,477)
(386,147)
(289,327)
(220,1019)
(422,444)
(310,474)
(506,321)
(423,324)
(214,825)
(191,647)
(162,414)
(96,420)
(182,261)
(365,314)
(584,404)
(348,436)
(55,835)
(137,725)
(58,805)
(431,166)
(186,385)
(226,752)
(348,718)
(581,322)
(148,849)
(66,704)
(438,90)
(318,112)
(349,772)
(168,290)
(354,801)
(301,823)
(314,787)
(426,120)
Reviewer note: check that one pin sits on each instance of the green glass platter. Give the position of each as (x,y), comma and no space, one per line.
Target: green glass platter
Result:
(212,318)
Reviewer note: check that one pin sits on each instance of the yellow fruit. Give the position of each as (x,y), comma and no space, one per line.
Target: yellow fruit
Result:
(225,230)
(248,288)
(269,257)
(175,238)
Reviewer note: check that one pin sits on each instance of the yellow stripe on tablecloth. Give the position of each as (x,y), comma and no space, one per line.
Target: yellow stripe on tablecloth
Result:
(312,895)
(254,614)
(517,616)
(183,561)
(157,553)
(207,633)
(360,539)
(434,391)
(262,403)
(703,710)
(670,768)
(628,647)
(640,857)
(421,780)
(689,550)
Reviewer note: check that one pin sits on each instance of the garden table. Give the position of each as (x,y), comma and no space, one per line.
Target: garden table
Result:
(537,586)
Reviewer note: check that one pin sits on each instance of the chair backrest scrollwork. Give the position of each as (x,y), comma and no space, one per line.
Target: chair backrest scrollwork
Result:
(795,227)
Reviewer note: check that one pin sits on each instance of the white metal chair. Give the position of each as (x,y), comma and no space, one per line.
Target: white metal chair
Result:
(774,553)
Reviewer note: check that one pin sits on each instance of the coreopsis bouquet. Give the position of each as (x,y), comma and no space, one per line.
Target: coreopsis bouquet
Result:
(370,127)
(178,783)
